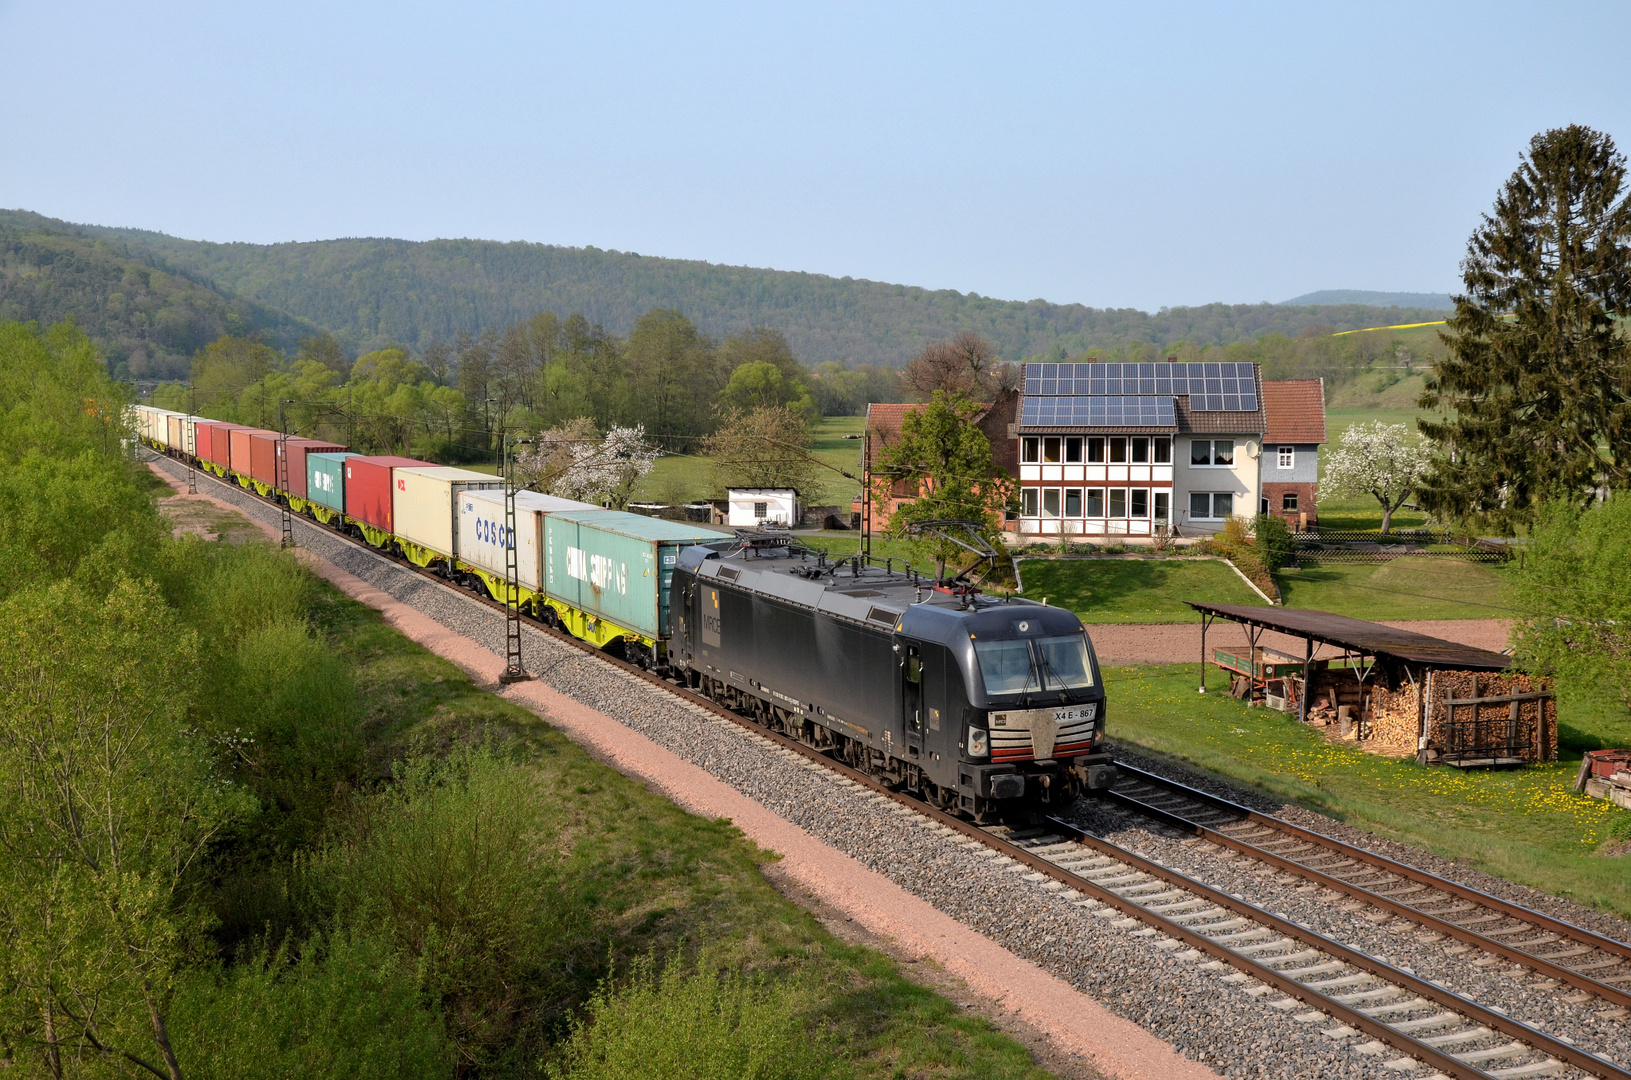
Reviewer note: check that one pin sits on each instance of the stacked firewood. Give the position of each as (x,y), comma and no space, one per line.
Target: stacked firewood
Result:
(1537,719)
(1395,716)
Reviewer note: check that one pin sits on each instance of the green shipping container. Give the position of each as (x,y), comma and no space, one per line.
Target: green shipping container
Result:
(616,566)
(325,480)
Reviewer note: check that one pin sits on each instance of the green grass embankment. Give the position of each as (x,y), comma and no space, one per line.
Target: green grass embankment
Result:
(1105,590)
(1525,825)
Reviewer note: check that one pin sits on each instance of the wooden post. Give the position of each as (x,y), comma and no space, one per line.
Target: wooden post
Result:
(1308,665)
(1206,620)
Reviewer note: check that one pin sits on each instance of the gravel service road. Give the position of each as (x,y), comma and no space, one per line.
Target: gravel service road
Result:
(1180,643)
(1208,1018)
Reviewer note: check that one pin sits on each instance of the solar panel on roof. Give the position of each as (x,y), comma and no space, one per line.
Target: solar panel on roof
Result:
(1102,411)
(1211,387)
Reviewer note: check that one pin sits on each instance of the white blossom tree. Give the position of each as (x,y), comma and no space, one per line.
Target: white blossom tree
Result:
(575,461)
(1380,460)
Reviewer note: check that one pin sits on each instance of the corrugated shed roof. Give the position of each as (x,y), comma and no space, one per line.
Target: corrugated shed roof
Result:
(1366,637)
(1296,410)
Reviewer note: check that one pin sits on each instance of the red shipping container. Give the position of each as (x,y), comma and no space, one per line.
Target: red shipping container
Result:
(263,457)
(214,442)
(298,449)
(368,488)
(242,456)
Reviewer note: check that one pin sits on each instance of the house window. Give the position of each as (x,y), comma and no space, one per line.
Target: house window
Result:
(1118,451)
(1073,451)
(1095,502)
(1210,505)
(1163,507)
(1028,501)
(1138,503)
(1140,451)
(1212,452)
(761,510)
(1163,451)
(1030,450)
(1073,502)
(1288,503)
(1050,502)
(1050,450)
(1095,450)
(1118,502)
(1287,457)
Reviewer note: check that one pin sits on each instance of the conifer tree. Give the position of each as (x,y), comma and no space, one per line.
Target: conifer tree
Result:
(1537,386)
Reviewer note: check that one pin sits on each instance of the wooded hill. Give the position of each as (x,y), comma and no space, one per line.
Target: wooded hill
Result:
(371,292)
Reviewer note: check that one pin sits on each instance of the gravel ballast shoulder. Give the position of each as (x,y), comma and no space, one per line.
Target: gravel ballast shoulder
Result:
(1191,1008)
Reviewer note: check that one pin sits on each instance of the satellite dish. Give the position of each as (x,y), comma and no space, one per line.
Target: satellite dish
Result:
(1252,449)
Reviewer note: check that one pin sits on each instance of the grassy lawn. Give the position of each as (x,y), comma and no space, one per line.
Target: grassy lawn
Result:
(1133,590)
(658,878)
(1527,826)
(1401,589)
(684,477)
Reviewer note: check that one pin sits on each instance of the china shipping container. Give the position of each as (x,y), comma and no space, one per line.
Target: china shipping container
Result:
(618,566)
(482,536)
(263,455)
(325,479)
(368,487)
(424,504)
(298,450)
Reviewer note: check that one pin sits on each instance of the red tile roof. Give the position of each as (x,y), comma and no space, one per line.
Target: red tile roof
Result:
(1296,410)
(884,419)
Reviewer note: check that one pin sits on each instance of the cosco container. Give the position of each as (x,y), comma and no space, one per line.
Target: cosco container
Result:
(483,536)
(325,480)
(240,454)
(368,488)
(299,450)
(425,507)
(616,566)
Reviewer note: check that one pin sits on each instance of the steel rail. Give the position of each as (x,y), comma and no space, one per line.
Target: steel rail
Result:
(1516,912)
(1444,1062)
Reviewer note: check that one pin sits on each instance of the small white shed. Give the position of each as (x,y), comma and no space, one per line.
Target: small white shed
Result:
(762,506)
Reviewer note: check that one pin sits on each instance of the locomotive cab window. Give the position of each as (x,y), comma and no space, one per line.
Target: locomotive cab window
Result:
(1005,666)
(1064,662)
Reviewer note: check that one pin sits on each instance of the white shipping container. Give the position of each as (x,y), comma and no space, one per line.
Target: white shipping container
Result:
(483,538)
(189,435)
(423,503)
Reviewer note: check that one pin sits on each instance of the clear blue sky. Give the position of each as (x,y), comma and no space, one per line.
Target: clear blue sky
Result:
(1128,155)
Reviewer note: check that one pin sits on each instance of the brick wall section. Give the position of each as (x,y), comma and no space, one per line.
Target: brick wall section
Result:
(1306,494)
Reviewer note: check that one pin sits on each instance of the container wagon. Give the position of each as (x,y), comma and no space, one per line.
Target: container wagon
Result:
(368,494)
(241,453)
(606,576)
(483,539)
(975,703)
(425,510)
(298,450)
(325,485)
(215,446)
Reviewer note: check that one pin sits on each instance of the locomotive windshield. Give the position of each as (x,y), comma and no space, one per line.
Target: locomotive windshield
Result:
(1011,667)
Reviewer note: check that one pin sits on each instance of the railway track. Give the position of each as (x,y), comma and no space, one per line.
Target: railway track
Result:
(1415,1027)
(1568,954)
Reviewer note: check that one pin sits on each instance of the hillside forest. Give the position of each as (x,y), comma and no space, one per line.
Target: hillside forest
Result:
(150,301)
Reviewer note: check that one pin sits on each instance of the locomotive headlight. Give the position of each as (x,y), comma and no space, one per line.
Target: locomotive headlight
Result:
(978,743)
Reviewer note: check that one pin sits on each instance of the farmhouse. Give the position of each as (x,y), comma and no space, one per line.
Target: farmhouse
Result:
(1134,450)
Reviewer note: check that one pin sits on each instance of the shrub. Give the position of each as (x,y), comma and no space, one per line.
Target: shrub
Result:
(1273,541)
(343,1006)
(678,1026)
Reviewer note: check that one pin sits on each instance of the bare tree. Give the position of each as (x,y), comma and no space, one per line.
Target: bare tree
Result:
(967,363)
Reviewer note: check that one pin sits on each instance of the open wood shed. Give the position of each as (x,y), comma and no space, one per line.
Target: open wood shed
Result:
(1445,702)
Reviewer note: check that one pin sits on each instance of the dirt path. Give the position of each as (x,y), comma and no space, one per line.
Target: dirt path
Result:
(1180,643)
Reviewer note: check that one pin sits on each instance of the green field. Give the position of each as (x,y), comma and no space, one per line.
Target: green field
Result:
(1401,589)
(1133,590)
(681,478)
(1527,825)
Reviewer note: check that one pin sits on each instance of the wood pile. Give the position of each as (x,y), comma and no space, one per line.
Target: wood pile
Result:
(1606,774)
(1395,718)
(1486,725)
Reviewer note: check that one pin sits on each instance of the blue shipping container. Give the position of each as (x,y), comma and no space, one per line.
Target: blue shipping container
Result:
(325,480)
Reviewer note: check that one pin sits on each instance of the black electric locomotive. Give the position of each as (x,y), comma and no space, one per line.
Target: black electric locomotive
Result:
(975,702)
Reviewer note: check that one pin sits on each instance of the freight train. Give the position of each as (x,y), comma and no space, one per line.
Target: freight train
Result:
(977,704)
